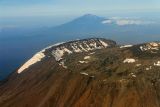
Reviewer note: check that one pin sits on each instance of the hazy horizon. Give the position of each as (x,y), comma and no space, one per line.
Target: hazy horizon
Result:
(39,13)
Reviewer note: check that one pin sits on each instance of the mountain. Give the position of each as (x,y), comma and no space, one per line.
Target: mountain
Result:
(93,72)
(86,24)
(119,29)
(23,42)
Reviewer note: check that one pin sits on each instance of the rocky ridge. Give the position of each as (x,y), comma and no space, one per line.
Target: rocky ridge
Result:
(87,73)
(59,50)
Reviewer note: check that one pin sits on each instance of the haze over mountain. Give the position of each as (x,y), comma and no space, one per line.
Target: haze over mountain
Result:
(92,25)
(132,30)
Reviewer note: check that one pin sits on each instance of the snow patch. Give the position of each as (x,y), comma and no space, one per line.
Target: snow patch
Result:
(104,44)
(36,58)
(150,46)
(84,73)
(154,44)
(133,75)
(126,46)
(87,57)
(157,63)
(129,60)
(94,44)
(88,48)
(83,48)
(148,68)
(58,53)
(76,49)
(62,64)
(60,43)
(82,62)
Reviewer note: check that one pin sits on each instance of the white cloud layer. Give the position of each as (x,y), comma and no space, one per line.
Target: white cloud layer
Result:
(126,21)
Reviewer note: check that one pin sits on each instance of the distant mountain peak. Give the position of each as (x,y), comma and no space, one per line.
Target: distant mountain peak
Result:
(90,15)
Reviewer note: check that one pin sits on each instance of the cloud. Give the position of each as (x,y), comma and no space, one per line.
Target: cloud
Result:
(126,21)
(129,22)
(107,21)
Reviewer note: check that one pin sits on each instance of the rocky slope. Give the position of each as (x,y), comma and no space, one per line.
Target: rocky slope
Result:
(87,73)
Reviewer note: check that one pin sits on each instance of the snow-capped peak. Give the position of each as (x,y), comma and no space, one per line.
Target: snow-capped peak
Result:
(60,50)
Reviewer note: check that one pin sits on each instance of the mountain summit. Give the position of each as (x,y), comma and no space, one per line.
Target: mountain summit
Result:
(89,18)
(60,50)
(93,72)
(81,26)
(120,29)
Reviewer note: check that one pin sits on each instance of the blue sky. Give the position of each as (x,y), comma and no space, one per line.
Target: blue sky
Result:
(62,7)
(29,11)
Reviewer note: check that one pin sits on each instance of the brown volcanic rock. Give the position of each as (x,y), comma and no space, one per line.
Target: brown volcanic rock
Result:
(101,79)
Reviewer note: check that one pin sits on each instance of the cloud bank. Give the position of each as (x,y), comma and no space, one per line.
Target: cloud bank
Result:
(126,21)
